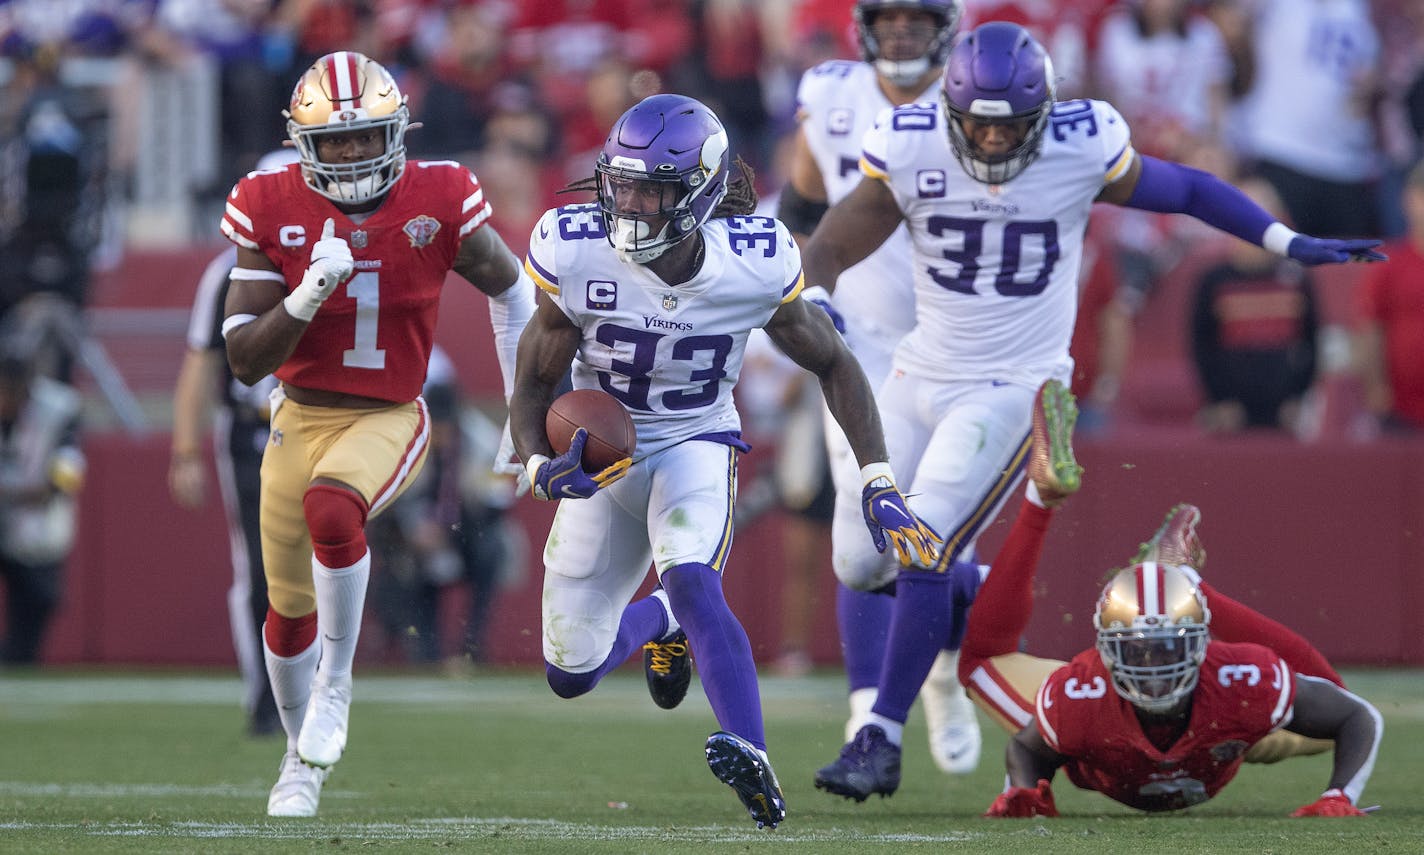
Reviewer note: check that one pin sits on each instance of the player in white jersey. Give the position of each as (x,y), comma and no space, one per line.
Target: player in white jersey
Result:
(904,43)
(651,295)
(995,184)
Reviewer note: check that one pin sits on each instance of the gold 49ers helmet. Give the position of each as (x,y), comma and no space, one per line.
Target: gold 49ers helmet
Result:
(344,92)
(1152,634)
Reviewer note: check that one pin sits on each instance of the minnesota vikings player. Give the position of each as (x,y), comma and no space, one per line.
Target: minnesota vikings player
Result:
(994,184)
(651,294)
(904,43)
(1266,693)
(340,263)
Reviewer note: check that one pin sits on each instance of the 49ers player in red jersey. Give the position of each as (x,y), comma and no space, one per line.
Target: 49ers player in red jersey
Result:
(1159,715)
(341,259)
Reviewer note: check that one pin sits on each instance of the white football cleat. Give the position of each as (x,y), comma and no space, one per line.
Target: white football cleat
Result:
(955,739)
(323,735)
(298,788)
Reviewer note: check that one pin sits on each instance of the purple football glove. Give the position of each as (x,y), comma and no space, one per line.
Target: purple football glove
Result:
(818,295)
(1312,251)
(889,518)
(564,478)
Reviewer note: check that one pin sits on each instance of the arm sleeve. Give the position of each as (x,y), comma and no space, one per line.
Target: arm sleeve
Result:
(1171,188)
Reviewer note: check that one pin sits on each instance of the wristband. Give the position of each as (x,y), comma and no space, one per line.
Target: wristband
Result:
(1336,793)
(815,293)
(872,471)
(1277,239)
(531,468)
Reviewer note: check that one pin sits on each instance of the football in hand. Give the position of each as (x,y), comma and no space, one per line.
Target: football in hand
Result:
(611,435)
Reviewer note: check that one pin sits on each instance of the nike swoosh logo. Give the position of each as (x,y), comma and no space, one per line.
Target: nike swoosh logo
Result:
(543,231)
(886,503)
(1047,701)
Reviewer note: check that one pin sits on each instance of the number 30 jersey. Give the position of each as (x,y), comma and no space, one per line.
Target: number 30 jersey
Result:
(373,335)
(671,354)
(996,266)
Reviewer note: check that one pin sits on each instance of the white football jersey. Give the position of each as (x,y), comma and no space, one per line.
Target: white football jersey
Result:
(837,103)
(670,354)
(996,266)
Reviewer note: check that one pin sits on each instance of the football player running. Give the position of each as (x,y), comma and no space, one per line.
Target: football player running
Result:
(994,183)
(650,294)
(341,260)
(904,44)
(1177,655)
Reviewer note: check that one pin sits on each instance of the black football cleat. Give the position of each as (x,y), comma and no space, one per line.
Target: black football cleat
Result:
(738,764)
(868,764)
(668,667)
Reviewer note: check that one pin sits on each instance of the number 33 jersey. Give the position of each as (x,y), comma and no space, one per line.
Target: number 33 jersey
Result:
(670,354)
(1244,693)
(373,335)
(996,266)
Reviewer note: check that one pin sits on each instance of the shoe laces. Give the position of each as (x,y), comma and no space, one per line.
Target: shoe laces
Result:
(663,653)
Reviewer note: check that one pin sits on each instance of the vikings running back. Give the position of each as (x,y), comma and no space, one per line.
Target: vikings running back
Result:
(994,183)
(903,46)
(340,264)
(650,295)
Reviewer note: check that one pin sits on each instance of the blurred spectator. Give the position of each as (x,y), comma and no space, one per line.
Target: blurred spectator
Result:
(1391,322)
(319,27)
(732,64)
(560,43)
(448,528)
(608,90)
(233,34)
(465,66)
(1254,329)
(1068,29)
(41,471)
(207,392)
(515,166)
(51,182)
(1401,110)
(1308,121)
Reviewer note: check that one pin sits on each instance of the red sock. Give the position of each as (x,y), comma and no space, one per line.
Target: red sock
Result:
(1005,600)
(288,636)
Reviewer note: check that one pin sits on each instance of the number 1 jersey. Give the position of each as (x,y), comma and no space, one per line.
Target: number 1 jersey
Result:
(373,335)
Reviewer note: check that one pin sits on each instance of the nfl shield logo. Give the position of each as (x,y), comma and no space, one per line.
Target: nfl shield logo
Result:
(669,302)
(358,239)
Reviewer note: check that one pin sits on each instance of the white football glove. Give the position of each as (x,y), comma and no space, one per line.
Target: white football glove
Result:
(331,264)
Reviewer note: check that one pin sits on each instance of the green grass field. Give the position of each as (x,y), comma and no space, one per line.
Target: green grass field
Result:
(125,762)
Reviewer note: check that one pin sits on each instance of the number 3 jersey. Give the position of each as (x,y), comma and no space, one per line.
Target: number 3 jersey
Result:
(1244,693)
(671,354)
(995,266)
(373,335)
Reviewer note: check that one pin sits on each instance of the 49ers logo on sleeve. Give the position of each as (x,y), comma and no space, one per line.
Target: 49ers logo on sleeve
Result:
(421,230)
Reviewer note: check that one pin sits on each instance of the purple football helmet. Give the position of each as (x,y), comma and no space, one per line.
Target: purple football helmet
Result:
(904,72)
(662,171)
(997,74)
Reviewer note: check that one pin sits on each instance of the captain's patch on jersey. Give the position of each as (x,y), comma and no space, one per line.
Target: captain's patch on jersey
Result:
(602,295)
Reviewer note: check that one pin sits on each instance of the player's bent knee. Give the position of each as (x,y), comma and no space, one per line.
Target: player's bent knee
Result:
(336,518)
(567,684)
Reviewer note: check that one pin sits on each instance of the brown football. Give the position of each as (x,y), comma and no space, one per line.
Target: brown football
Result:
(611,435)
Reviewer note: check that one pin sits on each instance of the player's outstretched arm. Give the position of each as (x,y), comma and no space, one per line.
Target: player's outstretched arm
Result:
(1171,188)
(1031,764)
(1323,710)
(851,229)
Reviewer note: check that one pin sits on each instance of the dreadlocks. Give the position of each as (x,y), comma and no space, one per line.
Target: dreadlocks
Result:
(741,198)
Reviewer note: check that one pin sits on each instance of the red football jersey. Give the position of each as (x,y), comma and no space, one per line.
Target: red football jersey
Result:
(373,335)
(1244,692)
